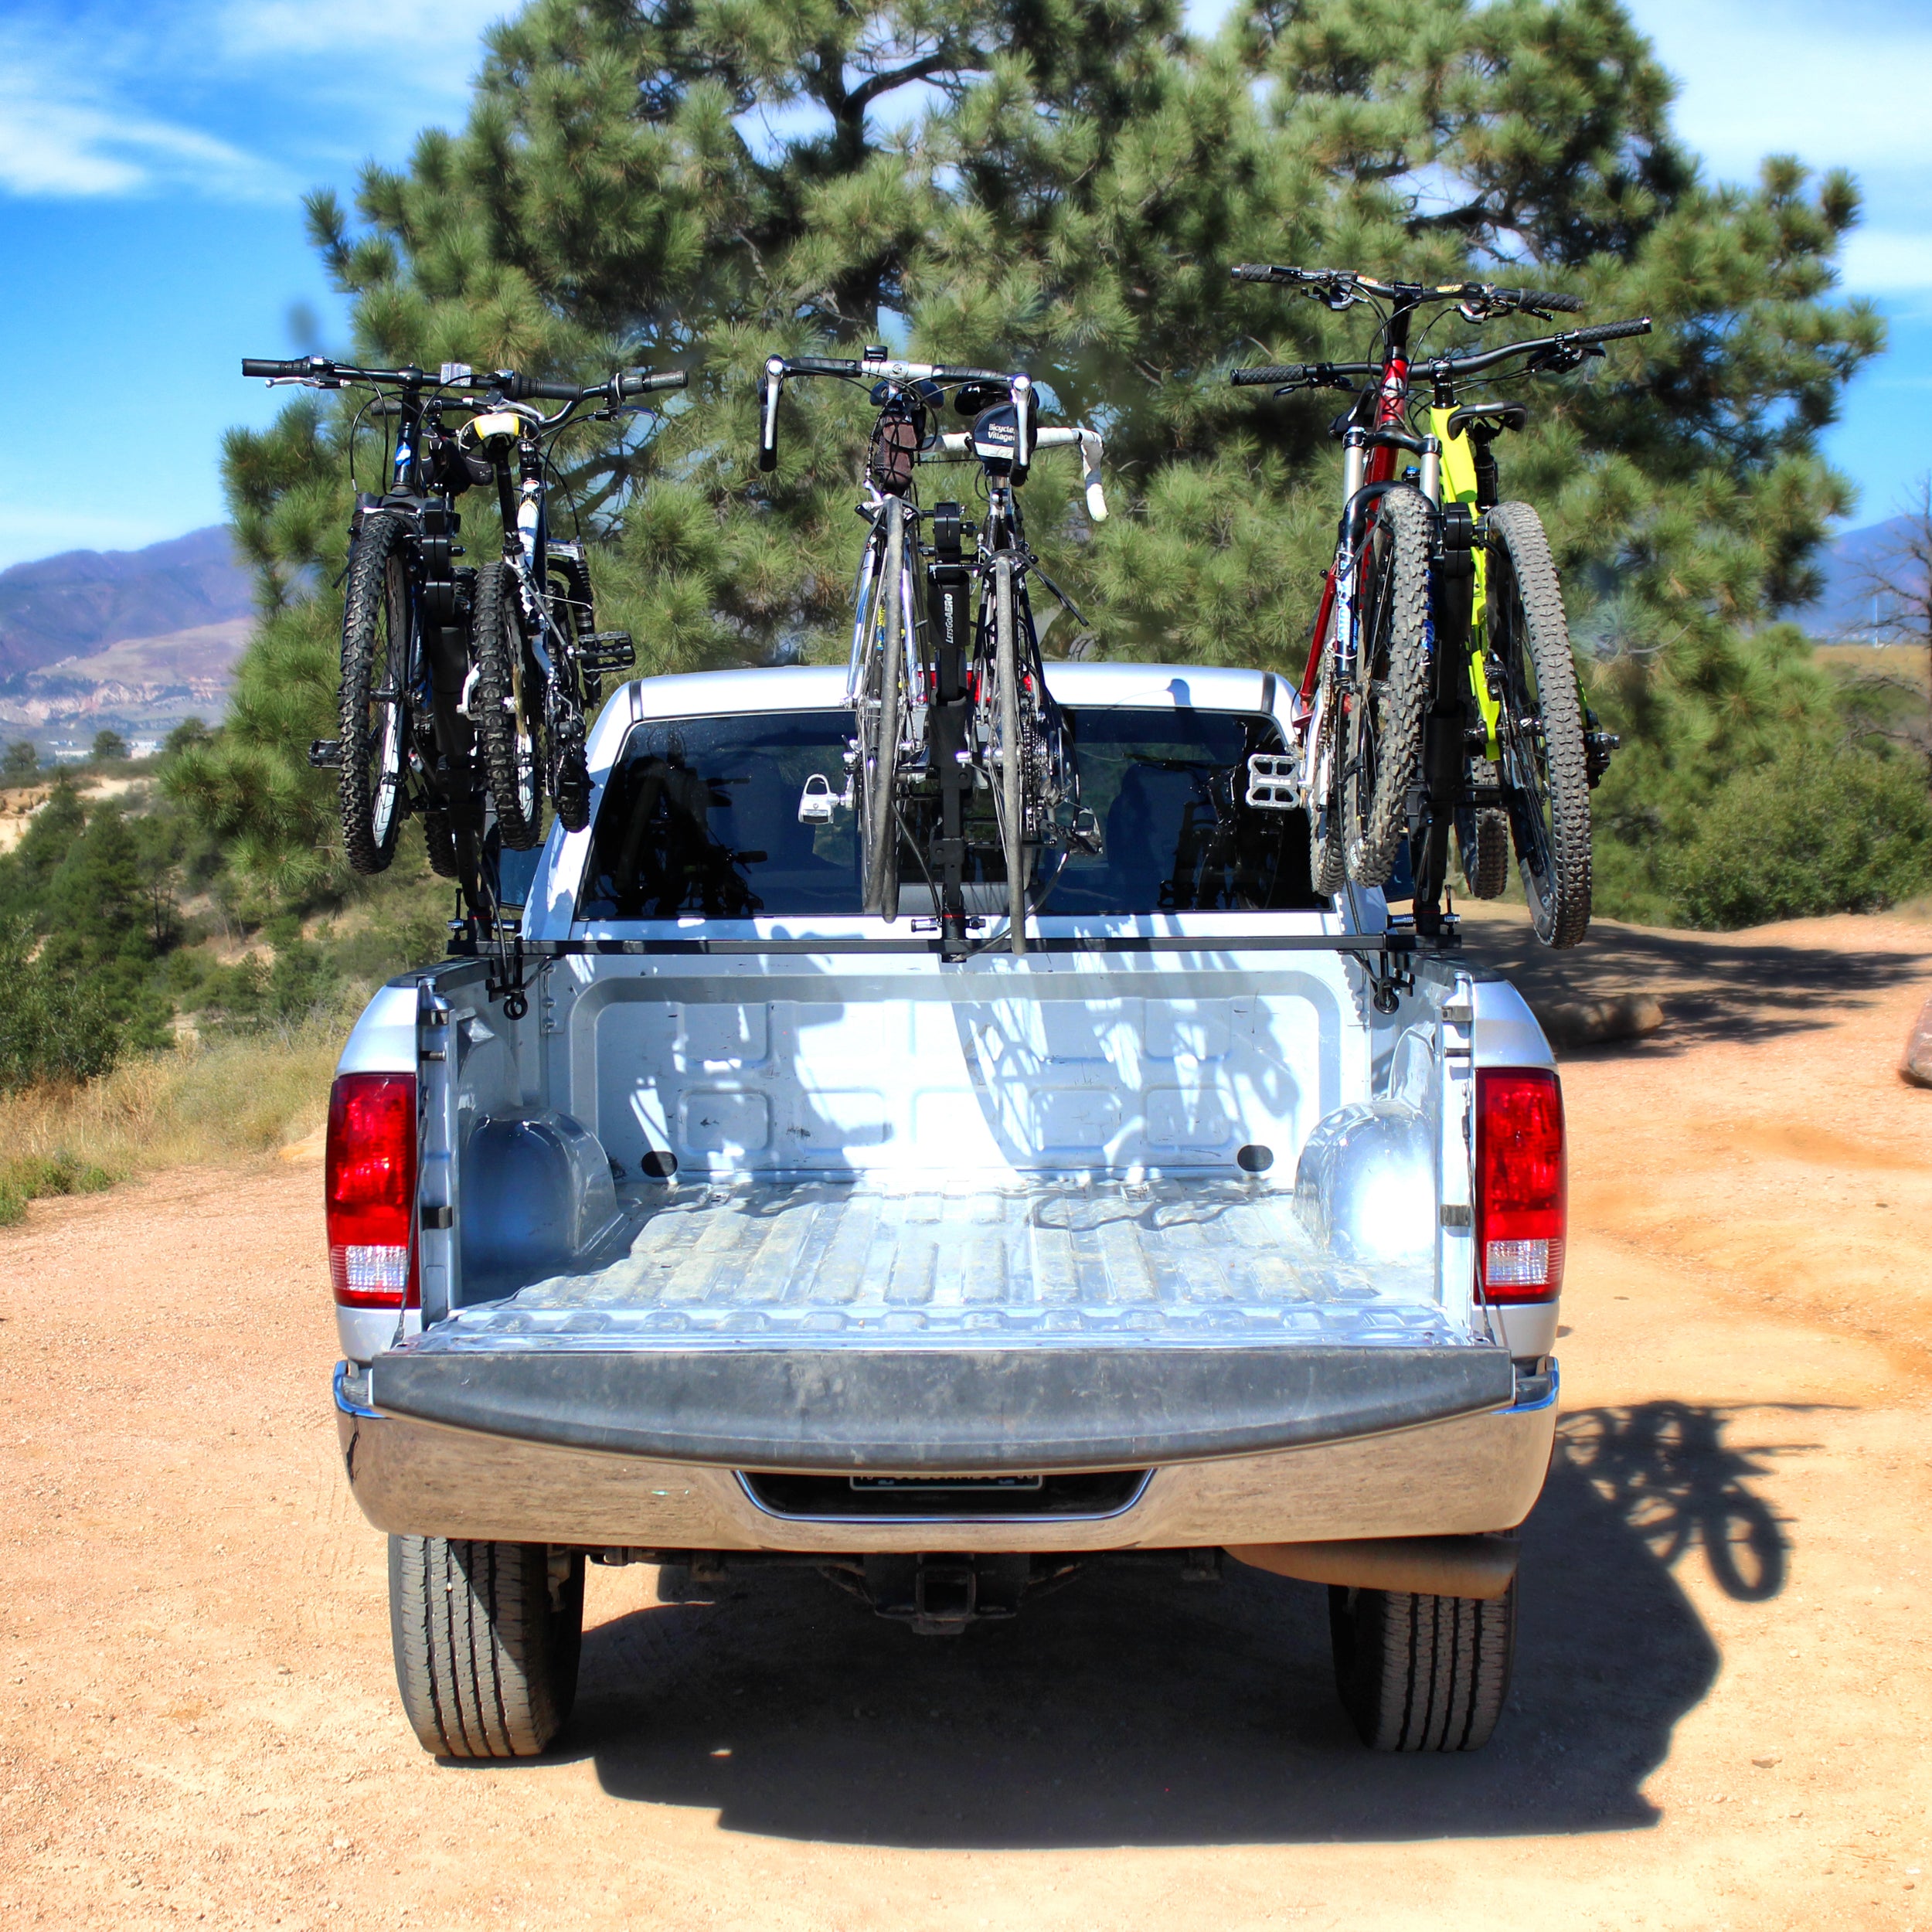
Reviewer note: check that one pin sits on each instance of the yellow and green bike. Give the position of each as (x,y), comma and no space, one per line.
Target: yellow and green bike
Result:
(1440,696)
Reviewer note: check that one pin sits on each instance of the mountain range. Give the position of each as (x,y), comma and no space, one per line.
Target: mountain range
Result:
(135,641)
(129,641)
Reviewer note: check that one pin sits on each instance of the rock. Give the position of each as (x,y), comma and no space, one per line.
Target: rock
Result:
(1598,1022)
(1916,1066)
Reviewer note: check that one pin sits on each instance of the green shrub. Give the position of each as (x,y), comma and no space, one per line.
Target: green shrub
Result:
(1847,831)
(54,1026)
(37,1176)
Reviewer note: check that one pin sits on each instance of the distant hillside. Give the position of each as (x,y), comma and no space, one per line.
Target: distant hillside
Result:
(77,605)
(1845,608)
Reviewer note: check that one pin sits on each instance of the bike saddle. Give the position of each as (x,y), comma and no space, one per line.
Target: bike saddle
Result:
(1484,420)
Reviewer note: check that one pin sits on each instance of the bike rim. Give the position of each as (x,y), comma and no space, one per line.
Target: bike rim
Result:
(386,734)
(1523,754)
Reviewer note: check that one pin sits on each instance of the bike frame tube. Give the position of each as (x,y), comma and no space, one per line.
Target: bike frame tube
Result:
(1459,486)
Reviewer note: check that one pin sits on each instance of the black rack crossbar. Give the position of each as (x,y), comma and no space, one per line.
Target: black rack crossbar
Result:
(1363,943)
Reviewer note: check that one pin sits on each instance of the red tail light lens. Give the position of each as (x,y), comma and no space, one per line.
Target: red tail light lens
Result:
(1523,1184)
(370,1190)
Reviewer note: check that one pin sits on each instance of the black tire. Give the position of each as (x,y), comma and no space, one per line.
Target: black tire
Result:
(1545,771)
(1422,1673)
(1482,840)
(507,709)
(374,715)
(1011,795)
(440,838)
(570,769)
(879,719)
(1327,847)
(487,1639)
(1390,696)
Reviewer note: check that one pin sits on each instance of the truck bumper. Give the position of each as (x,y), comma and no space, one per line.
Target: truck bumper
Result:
(1322,1469)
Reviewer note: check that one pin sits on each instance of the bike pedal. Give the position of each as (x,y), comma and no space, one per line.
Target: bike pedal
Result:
(607,651)
(326,754)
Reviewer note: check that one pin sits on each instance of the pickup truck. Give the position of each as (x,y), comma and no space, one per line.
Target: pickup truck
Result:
(721,1224)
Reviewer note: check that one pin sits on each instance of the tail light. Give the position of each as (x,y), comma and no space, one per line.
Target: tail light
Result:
(370,1190)
(1523,1189)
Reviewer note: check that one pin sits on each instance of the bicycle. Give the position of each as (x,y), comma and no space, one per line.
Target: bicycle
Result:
(1441,597)
(947,703)
(539,659)
(409,725)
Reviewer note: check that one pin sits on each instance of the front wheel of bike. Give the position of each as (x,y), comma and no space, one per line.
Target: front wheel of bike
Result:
(506,709)
(1545,766)
(879,718)
(377,632)
(1390,692)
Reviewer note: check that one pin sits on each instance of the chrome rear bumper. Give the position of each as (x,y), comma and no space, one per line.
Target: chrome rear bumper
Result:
(1462,1475)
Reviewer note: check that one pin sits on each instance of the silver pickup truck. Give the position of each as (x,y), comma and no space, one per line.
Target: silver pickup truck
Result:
(729,1226)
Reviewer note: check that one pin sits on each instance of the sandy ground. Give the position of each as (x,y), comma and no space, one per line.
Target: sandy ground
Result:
(1723,1693)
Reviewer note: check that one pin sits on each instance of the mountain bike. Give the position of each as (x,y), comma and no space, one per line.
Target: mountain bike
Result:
(538,658)
(1442,601)
(418,714)
(953,721)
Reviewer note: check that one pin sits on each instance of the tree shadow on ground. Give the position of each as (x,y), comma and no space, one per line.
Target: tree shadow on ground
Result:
(1712,986)
(1133,1707)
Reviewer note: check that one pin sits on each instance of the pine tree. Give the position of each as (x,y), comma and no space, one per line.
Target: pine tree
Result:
(1062,186)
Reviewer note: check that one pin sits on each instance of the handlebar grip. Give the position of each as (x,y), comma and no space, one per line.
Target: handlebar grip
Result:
(1256,272)
(643,382)
(307,365)
(1609,332)
(1549,299)
(1269,372)
(524,389)
(819,365)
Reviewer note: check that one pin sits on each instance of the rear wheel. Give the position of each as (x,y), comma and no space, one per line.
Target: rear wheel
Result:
(879,717)
(440,838)
(1482,839)
(1545,768)
(507,709)
(1327,848)
(1010,751)
(1386,705)
(377,624)
(487,1638)
(1422,1673)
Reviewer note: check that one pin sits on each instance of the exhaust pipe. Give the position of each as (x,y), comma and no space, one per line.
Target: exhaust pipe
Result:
(1480,1566)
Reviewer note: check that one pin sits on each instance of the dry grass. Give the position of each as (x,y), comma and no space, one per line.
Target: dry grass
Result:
(203,1104)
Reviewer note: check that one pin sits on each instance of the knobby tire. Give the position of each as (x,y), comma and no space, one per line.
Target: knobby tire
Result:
(1328,849)
(1387,707)
(374,717)
(1545,766)
(508,731)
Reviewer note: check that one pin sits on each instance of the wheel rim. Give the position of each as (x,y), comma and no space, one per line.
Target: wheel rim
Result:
(385,704)
(524,738)
(1524,766)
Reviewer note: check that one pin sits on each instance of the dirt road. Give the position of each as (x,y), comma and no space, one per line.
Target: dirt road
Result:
(1721,1716)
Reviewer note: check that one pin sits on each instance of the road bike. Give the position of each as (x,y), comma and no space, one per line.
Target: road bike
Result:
(442,663)
(1440,694)
(959,758)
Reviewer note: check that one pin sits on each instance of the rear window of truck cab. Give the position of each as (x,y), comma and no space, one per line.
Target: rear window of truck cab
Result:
(701,816)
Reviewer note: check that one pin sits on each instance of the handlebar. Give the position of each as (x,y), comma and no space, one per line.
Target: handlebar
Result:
(877,364)
(1331,282)
(1317,374)
(321,370)
(959,443)
(1442,368)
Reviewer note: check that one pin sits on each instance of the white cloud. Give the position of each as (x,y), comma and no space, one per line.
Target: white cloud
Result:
(441,39)
(1884,261)
(56,140)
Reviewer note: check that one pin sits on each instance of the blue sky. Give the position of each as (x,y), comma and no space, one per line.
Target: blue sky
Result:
(152,158)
